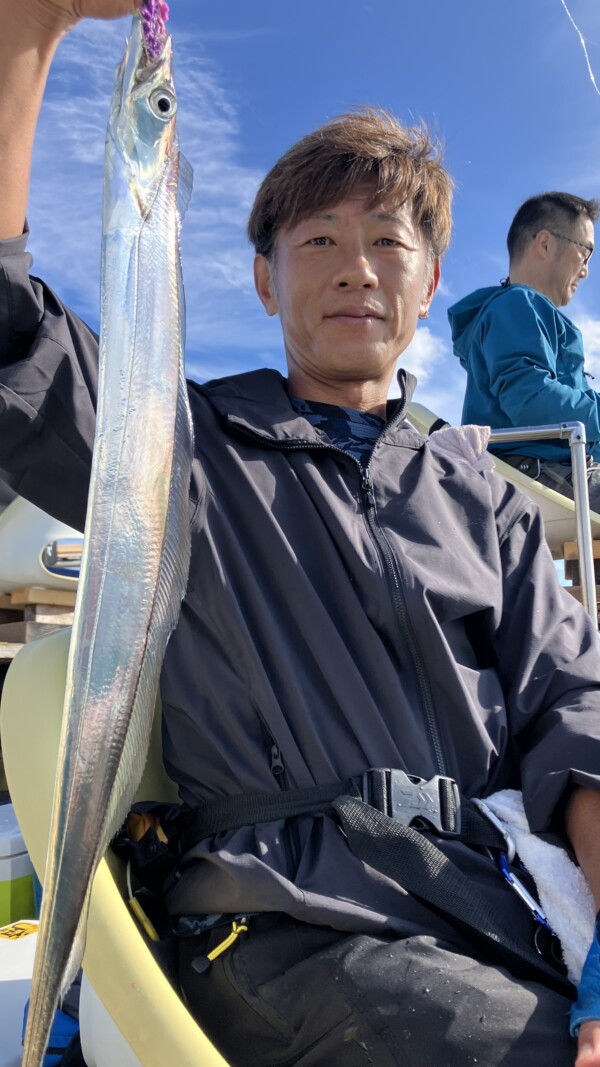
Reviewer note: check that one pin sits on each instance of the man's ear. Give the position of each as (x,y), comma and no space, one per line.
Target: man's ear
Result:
(430,288)
(263,282)
(541,243)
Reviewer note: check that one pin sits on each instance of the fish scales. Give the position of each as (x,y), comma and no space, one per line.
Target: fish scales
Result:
(137,537)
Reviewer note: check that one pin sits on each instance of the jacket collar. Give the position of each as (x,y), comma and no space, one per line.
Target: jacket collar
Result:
(257,403)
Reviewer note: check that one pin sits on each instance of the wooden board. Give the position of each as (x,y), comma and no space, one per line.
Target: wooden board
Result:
(51,613)
(63,598)
(46,613)
(571,550)
(572,570)
(21,632)
(576,591)
(8,650)
(5,601)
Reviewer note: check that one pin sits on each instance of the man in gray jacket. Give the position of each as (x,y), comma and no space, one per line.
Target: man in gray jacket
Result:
(359,599)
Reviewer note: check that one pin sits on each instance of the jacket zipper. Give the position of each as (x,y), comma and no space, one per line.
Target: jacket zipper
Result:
(389,567)
(384,551)
(277,765)
(290,835)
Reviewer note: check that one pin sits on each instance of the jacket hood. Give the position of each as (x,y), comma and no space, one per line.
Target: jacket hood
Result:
(464,315)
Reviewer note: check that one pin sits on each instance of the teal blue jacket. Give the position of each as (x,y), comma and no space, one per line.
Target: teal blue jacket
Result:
(524,364)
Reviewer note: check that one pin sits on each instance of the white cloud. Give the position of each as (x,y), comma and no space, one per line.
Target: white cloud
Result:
(444,395)
(590,328)
(440,379)
(425,353)
(256,33)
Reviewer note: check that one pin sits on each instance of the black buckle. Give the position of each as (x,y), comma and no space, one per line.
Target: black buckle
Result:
(406,798)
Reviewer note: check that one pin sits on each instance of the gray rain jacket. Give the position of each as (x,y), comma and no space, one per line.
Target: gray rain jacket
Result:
(334,620)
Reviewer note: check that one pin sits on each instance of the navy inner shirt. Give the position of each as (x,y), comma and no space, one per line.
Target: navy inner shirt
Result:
(353,431)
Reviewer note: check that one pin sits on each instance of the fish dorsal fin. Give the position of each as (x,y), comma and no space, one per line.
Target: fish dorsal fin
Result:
(184,186)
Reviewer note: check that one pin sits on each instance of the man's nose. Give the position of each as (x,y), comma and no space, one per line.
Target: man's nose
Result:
(583,273)
(356,272)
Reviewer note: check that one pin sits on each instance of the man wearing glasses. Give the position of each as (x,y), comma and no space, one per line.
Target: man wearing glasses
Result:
(523,357)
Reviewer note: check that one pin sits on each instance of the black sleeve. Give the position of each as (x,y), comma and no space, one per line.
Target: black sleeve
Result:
(48,389)
(548,654)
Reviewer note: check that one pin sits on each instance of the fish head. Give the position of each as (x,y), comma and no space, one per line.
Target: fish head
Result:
(142,128)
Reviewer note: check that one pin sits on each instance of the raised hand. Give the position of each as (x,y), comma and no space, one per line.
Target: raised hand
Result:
(63,14)
(31,32)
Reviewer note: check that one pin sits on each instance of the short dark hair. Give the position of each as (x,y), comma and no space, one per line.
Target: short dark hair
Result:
(364,146)
(546,211)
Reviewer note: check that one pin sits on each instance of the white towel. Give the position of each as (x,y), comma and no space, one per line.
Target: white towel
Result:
(467,444)
(563,891)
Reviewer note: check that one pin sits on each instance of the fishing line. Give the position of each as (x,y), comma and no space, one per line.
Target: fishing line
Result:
(583,45)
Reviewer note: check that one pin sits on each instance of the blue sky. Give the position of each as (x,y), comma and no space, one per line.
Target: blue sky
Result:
(505,85)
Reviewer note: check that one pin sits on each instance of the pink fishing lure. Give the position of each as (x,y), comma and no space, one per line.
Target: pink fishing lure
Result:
(154,17)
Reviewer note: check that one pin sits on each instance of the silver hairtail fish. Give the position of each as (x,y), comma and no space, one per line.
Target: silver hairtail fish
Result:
(137,539)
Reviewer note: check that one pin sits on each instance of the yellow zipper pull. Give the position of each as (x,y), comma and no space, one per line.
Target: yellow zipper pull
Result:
(202,963)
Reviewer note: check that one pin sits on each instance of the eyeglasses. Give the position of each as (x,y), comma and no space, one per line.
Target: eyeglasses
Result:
(586,248)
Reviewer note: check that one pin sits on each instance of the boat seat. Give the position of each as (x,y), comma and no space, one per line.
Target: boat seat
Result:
(558,512)
(118,963)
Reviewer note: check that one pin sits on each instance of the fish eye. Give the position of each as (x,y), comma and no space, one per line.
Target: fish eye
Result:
(162,104)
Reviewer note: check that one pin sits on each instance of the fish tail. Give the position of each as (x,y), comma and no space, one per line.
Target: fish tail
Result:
(52,976)
(42,1008)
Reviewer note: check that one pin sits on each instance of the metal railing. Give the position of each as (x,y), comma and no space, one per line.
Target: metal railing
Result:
(574,432)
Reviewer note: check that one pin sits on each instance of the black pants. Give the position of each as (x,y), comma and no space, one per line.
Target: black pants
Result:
(291,993)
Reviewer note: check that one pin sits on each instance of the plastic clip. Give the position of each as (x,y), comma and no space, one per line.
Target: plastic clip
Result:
(515,883)
(500,827)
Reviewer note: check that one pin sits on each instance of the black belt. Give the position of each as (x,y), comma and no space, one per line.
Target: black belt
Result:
(382,814)
(435,805)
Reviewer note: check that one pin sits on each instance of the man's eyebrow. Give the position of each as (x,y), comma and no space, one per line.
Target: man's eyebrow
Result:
(321,216)
(387,216)
(379,216)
